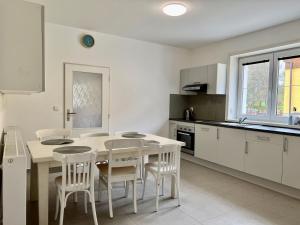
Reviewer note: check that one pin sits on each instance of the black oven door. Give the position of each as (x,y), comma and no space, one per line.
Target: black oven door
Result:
(189,140)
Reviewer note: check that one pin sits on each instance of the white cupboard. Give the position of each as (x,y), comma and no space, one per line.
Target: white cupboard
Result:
(173,130)
(291,162)
(263,155)
(231,148)
(213,75)
(206,142)
(22,47)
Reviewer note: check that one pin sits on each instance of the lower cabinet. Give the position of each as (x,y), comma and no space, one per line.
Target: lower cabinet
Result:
(173,130)
(231,148)
(206,142)
(263,155)
(291,162)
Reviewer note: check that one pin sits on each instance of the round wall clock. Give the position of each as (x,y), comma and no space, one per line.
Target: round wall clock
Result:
(87,41)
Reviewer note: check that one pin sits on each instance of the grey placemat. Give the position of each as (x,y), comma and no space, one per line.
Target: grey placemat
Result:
(57,142)
(72,149)
(132,135)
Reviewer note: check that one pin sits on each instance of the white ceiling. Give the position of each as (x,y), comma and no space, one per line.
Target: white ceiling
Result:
(206,20)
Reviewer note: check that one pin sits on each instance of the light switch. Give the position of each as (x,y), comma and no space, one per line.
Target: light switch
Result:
(55,108)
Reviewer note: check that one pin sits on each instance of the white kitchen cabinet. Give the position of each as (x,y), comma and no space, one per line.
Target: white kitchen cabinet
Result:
(213,75)
(172,129)
(206,142)
(22,47)
(263,155)
(291,162)
(216,79)
(231,148)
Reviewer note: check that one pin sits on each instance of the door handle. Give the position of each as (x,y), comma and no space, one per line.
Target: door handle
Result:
(69,114)
(285,145)
(246,147)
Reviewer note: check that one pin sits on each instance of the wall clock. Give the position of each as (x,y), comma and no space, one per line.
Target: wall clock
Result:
(87,41)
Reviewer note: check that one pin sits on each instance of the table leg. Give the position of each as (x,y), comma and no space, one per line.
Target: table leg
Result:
(33,182)
(173,179)
(43,190)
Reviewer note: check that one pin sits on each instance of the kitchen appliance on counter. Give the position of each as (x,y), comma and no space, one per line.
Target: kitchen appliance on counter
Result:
(189,114)
(186,134)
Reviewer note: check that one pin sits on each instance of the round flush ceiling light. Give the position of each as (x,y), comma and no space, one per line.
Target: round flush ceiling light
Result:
(174,9)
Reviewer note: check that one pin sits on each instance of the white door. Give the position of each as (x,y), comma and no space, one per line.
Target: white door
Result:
(263,155)
(231,148)
(86,98)
(206,142)
(291,159)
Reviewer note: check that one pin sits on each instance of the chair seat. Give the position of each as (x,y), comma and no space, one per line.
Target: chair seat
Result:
(116,171)
(153,167)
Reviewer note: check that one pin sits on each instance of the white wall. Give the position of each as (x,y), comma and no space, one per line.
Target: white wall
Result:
(142,77)
(220,51)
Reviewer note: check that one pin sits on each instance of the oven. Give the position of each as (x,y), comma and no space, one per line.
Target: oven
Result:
(186,134)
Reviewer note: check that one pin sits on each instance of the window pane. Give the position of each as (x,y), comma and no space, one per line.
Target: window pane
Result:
(288,83)
(87,100)
(255,88)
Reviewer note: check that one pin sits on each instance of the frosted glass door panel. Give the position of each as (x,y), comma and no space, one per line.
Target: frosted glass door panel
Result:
(87,99)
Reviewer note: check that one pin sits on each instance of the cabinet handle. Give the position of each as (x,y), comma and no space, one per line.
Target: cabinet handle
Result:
(285,145)
(263,138)
(217,133)
(205,129)
(246,147)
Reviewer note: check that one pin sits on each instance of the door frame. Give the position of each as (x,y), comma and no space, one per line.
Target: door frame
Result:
(68,93)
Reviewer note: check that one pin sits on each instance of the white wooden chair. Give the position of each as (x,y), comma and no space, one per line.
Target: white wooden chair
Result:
(123,160)
(166,165)
(96,134)
(46,134)
(75,179)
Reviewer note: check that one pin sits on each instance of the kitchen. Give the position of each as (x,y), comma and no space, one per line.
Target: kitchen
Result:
(217,83)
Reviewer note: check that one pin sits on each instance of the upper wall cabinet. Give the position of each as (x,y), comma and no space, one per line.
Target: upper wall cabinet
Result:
(22,47)
(213,75)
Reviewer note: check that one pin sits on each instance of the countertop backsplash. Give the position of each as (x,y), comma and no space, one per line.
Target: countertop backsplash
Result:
(206,107)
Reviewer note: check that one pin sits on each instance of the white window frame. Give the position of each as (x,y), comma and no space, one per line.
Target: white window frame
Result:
(273,58)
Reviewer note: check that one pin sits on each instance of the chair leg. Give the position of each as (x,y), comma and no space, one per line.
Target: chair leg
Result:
(62,208)
(157,192)
(145,178)
(110,201)
(57,205)
(134,196)
(177,189)
(126,189)
(92,200)
(85,202)
(99,188)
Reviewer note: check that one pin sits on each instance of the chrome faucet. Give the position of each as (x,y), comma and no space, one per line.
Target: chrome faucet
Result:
(242,119)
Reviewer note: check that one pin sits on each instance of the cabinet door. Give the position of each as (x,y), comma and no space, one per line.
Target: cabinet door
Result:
(216,79)
(198,74)
(173,130)
(206,142)
(291,162)
(263,155)
(231,148)
(21,44)
(184,80)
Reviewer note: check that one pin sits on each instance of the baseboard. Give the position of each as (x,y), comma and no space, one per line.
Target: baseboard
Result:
(283,189)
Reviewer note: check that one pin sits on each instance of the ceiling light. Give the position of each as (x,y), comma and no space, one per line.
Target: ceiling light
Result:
(174,9)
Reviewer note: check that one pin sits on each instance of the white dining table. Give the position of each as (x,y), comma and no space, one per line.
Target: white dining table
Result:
(42,161)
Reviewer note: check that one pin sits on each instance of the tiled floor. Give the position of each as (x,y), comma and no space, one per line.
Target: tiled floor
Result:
(208,198)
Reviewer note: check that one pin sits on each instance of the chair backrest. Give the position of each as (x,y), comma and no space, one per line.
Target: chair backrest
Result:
(45,134)
(168,159)
(98,134)
(123,152)
(78,170)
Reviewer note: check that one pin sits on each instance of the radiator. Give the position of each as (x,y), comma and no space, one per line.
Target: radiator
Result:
(14,167)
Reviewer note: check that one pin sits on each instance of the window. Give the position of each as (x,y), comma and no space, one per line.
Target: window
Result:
(269,86)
